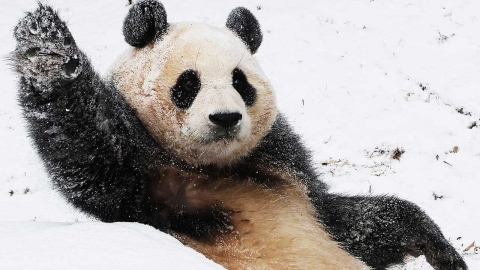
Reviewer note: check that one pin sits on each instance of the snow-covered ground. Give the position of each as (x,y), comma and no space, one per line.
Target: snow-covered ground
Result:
(358,79)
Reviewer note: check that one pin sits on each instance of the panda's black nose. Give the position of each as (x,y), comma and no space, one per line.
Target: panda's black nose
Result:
(225,120)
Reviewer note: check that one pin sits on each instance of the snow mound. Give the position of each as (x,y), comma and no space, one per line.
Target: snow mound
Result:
(93,245)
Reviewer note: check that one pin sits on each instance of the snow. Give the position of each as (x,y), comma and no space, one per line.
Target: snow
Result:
(56,245)
(356,78)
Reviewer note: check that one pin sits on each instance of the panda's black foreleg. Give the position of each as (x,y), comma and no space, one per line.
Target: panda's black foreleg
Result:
(382,230)
(91,142)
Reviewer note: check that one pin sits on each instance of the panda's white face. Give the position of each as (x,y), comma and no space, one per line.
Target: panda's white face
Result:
(200,92)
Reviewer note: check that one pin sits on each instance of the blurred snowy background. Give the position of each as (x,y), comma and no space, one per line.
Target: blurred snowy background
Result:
(385,92)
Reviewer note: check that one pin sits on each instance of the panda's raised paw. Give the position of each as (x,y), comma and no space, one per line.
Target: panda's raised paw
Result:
(45,48)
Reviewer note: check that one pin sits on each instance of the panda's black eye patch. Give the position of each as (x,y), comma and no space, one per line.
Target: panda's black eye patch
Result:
(244,88)
(183,93)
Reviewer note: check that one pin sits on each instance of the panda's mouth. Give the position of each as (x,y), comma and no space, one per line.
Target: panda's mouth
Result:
(226,135)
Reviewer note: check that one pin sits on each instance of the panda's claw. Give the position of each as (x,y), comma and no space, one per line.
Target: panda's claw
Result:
(45,48)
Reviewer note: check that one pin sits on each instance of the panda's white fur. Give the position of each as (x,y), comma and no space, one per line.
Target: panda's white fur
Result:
(275,226)
(145,76)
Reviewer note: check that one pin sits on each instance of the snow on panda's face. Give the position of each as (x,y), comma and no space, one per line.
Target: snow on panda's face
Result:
(200,92)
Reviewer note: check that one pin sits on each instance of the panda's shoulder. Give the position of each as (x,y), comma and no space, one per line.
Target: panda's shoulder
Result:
(283,146)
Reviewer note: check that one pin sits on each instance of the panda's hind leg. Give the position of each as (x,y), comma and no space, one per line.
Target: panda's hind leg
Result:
(382,230)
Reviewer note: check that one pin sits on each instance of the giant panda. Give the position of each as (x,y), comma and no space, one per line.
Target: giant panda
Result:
(183,134)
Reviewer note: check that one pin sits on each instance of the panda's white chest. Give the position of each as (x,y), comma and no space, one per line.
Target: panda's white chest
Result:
(273,227)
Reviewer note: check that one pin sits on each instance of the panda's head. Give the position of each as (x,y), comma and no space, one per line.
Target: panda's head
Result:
(197,88)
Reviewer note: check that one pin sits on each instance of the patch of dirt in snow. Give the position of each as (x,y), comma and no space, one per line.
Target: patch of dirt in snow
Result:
(378,162)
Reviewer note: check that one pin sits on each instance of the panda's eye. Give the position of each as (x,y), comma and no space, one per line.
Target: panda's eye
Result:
(244,88)
(188,85)
(183,93)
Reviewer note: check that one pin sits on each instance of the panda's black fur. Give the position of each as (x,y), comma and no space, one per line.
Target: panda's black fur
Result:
(100,155)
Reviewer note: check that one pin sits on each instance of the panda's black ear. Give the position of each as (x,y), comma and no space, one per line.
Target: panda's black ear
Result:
(242,22)
(146,21)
